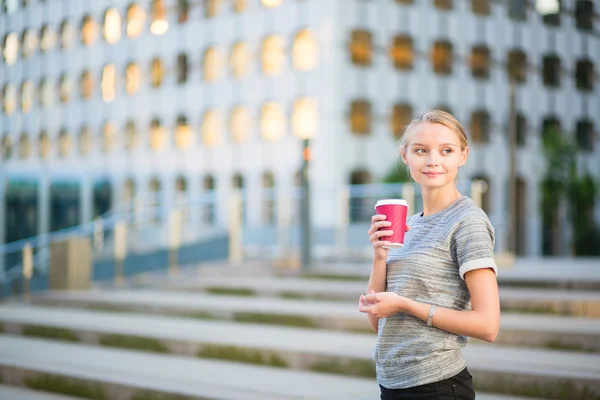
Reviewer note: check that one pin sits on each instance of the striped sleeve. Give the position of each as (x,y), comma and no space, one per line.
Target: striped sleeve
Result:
(473,246)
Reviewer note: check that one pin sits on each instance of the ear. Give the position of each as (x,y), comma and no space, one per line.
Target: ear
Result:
(464,156)
(403,155)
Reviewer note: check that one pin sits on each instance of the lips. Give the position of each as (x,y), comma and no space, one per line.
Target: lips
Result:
(432,174)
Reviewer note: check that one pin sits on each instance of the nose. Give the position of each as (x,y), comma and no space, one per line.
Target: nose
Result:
(433,159)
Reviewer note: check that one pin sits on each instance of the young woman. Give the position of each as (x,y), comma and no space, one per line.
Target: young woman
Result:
(425,298)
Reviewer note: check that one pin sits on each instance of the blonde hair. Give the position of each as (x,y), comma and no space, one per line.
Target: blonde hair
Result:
(436,117)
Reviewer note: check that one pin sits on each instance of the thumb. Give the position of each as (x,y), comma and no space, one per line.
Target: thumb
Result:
(407,228)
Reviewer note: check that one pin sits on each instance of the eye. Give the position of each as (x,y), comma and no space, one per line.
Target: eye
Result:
(447,151)
(420,151)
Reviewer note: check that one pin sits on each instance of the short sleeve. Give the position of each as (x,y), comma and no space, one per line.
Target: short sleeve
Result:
(473,246)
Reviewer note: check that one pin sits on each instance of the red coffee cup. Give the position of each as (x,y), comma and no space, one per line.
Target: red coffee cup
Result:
(395,211)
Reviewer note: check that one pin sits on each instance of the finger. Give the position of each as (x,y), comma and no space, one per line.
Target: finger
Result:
(382,243)
(378,217)
(384,233)
(373,297)
(407,228)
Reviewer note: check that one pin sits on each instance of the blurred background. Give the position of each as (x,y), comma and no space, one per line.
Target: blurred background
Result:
(145,136)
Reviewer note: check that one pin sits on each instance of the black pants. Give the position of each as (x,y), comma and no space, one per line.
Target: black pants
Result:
(458,387)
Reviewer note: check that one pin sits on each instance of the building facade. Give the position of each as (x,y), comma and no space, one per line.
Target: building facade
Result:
(106,100)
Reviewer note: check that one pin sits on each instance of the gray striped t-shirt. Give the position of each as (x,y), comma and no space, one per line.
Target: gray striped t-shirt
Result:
(438,250)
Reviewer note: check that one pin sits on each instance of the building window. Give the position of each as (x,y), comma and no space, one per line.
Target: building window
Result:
(521,130)
(271,3)
(550,11)
(272,121)
(517,10)
(131,136)
(183,11)
(480,62)
(65,88)
(305,51)
(516,66)
(441,58)
(584,133)
(405,2)
(11,48)
(7,147)
(551,128)
(551,70)
(47,39)
(64,144)
(9,98)
(10,6)
(89,30)
(444,5)
(269,194)
(135,21)
(239,6)
(401,116)
(481,7)
(132,78)
(584,15)
(112,26)
(183,133)
(584,75)
(30,43)
(24,146)
(402,52)
(27,96)
(480,126)
(109,83)
(212,64)
(182,68)
(157,135)
(360,207)
(240,124)
(86,85)
(240,60)
(159,24)
(208,187)
(273,55)
(305,118)
(46,93)
(67,35)
(361,48)
(84,141)
(360,117)
(109,136)
(157,72)
(211,8)
(44,145)
(211,128)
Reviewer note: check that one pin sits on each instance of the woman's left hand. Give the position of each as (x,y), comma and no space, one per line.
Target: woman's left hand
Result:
(382,304)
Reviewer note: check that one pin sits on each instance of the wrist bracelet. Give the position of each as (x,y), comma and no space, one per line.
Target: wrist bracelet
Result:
(430,315)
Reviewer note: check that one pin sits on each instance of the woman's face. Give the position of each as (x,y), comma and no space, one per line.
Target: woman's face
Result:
(433,155)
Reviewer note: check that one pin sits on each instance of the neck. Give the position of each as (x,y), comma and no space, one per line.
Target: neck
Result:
(438,199)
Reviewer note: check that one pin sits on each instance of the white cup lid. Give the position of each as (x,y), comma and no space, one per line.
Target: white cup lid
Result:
(398,202)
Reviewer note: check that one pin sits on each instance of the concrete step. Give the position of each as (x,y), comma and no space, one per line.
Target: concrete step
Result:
(557,332)
(549,301)
(493,367)
(17,393)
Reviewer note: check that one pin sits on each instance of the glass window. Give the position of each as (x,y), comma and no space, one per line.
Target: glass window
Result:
(305,118)
(182,68)
(47,39)
(109,83)
(584,75)
(441,58)
(157,72)
(240,60)
(131,136)
(27,96)
(67,35)
(480,126)
(64,144)
(211,128)
(46,93)
(444,5)
(271,3)
(183,11)
(65,88)
(240,124)
(24,146)
(239,6)
(481,7)
(159,24)
(480,62)
(112,26)
(361,47)
(405,2)
(517,10)
(9,99)
(211,8)
(85,140)
(212,64)
(521,130)
(86,85)
(517,65)
(11,48)
(7,147)
(585,135)
(402,52)
(136,18)
(183,133)
(10,6)
(550,11)
(401,116)
(551,128)
(272,121)
(89,30)
(551,70)
(109,136)
(30,43)
(360,117)
(44,144)
(273,55)
(157,135)
(584,15)
(269,202)
(132,78)
(305,51)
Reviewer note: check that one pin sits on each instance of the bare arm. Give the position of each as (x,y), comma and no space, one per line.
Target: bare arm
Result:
(377,283)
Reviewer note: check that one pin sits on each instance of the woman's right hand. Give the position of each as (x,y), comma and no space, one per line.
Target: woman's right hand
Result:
(378,221)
